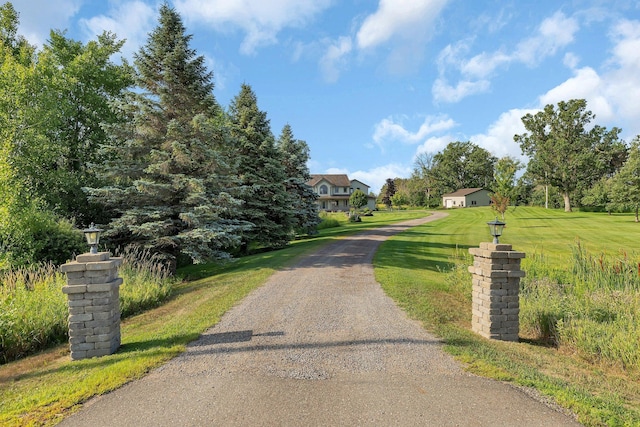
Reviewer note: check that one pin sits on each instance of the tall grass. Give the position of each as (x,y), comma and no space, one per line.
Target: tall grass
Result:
(591,309)
(594,312)
(33,309)
(330,220)
(146,281)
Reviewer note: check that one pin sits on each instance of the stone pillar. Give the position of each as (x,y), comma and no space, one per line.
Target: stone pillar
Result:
(496,285)
(93,298)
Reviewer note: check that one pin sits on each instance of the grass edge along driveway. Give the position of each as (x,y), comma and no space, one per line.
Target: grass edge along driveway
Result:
(43,389)
(410,268)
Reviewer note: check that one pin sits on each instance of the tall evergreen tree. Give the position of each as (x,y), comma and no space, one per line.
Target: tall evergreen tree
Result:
(267,205)
(168,171)
(295,155)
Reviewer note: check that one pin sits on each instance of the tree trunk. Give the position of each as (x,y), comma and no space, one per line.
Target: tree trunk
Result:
(567,202)
(637,220)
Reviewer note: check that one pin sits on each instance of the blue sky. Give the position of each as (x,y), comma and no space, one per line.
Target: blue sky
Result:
(371,83)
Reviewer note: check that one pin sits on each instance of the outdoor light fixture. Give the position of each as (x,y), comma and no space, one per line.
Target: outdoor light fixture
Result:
(92,234)
(495,227)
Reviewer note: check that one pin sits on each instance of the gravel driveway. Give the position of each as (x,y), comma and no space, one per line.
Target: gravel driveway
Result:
(319,344)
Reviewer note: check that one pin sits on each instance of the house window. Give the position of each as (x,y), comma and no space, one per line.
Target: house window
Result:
(345,190)
(473,202)
(323,189)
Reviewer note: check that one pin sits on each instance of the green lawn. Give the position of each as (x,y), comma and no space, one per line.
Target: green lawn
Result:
(411,268)
(42,389)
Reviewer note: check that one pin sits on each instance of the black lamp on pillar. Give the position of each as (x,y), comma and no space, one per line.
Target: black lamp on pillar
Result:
(92,234)
(496,227)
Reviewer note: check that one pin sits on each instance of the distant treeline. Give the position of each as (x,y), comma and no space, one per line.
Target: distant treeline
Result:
(571,163)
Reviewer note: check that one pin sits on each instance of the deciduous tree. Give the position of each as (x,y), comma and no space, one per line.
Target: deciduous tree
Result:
(625,185)
(422,178)
(564,152)
(358,199)
(84,84)
(462,165)
(399,199)
(504,177)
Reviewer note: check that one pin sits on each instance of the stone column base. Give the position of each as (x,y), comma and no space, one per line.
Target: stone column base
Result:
(496,286)
(93,299)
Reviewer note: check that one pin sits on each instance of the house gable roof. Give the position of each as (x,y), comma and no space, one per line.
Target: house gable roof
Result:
(336,180)
(355,181)
(463,192)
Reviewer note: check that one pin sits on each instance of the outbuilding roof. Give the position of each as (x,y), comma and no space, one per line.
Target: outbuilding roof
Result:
(462,192)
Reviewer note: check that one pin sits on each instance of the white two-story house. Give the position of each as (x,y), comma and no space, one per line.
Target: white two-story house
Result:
(334,191)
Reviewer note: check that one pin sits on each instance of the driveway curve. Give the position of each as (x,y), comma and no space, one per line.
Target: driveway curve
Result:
(319,344)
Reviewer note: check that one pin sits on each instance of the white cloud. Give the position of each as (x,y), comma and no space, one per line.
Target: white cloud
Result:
(443,91)
(484,64)
(38,17)
(391,130)
(375,177)
(404,27)
(571,60)
(587,84)
(498,139)
(261,21)
(453,55)
(435,144)
(553,33)
(334,60)
(623,79)
(128,20)
(612,94)
(406,19)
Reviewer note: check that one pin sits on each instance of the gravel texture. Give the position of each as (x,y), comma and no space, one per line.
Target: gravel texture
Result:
(319,344)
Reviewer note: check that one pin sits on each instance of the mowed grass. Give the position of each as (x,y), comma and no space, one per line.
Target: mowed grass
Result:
(424,270)
(43,389)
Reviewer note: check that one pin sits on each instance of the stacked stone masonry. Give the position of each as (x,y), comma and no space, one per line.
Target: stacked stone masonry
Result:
(496,284)
(93,299)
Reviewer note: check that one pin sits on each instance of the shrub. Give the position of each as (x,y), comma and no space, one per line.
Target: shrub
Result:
(328,223)
(354,216)
(34,236)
